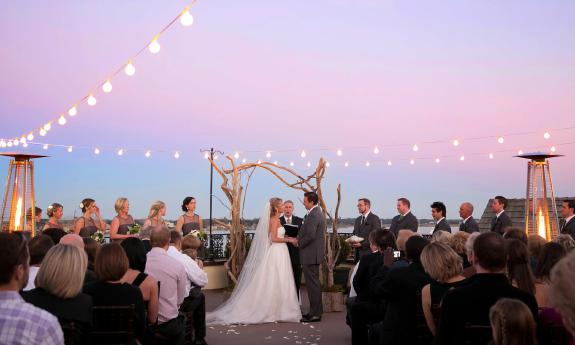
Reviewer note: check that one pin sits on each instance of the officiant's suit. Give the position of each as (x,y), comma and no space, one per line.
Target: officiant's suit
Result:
(293,250)
(362,227)
(311,242)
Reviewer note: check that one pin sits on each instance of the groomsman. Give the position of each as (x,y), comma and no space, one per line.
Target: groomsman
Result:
(469,224)
(438,212)
(364,224)
(568,223)
(405,220)
(289,219)
(501,220)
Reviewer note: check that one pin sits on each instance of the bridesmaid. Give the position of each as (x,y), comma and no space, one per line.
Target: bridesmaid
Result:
(86,226)
(156,215)
(189,220)
(121,223)
(54,212)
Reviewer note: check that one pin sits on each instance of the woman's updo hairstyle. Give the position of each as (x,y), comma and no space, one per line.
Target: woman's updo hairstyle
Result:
(86,203)
(186,201)
(274,204)
(53,208)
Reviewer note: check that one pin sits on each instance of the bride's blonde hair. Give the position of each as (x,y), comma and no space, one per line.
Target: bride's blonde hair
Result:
(274,204)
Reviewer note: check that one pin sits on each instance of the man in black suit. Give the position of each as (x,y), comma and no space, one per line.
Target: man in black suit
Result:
(364,225)
(468,224)
(438,212)
(501,220)
(567,225)
(470,303)
(400,288)
(405,219)
(289,219)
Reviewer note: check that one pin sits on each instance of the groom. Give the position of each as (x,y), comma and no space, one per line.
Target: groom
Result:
(311,242)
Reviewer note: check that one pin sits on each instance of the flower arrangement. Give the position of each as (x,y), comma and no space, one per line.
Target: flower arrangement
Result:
(98,236)
(199,234)
(134,229)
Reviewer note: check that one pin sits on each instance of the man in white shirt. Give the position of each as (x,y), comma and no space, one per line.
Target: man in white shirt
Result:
(195,302)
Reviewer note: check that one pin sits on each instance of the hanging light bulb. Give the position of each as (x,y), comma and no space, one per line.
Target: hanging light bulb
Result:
(70,149)
(553,149)
(346,164)
(462,158)
(308,164)
(45,147)
(303,154)
(30,137)
(186,18)
(97,151)
(455,142)
(546,135)
(491,156)
(42,132)
(154,46)
(47,127)
(500,140)
(268,154)
(61,120)
(415,148)
(91,100)
(520,152)
(107,87)
(367,164)
(15,142)
(206,155)
(291,164)
(412,162)
(275,162)
(23,140)
(120,152)
(2,143)
(389,163)
(437,160)
(216,157)
(244,160)
(236,155)
(130,69)
(73,111)
(177,155)
(327,165)
(9,143)
(148,154)
(339,152)
(25,145)
(376,150)
(259,161)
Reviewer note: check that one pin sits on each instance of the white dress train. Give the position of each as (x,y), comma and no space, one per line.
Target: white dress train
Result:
(269,296)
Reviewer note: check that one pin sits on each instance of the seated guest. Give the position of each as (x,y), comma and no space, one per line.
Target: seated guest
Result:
(144,236)
(135,275)
(562,291)
(21,323)
(192,253)
(195,301)
(91,247)
(458,242)
(191,242)
(515,233)
(38,246)
(86,225)
(401,291)
(550,254)
(444,266)
(402,237)
(535,244)
(518,267)
(121,224)
(566,241)
(172,276)
(59,287)
(469,304)
(72,240)
(55,234)
(366,310)
(54,212)
(109,290)
(470,271)
(442,237)
(512,323)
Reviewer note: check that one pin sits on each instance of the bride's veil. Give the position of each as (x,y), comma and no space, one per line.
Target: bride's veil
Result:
(258,249)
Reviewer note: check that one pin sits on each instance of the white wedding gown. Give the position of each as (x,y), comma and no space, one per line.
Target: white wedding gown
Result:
(265,294)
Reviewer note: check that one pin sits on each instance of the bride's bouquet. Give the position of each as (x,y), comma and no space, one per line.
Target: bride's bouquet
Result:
(98,236)
(134,229)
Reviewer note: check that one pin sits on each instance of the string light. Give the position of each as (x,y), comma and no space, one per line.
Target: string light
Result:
(30,137)
(462,158)
(154,46)
(346,164)
(553,149)
(236,155)
(268,154)
(2,143)
(308,164)
(389,163)
(23,140)
(206,155)
(120,152)
(216,157)
(367,164)
(275,162)
(520,152)
(546,135)
(437,160)
(376,150)
(491,156)
(9,144)
(42,132)
(500,140)
(91,100)
(15,142)
(107,87)
(47,127)
(415,148)
(177,155)
(412,162)
(327,165)
(25,144)
(97,151)
(148,154)
(70,149)
(61,120)
(130,69)
(259,161)
(291,164)
(73,111)
(339,152)
(244,161)
(186,18)
(455,142)
(303,154)
(45,147)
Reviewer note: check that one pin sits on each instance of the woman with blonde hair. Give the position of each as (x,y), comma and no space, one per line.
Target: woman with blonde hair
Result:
(562,291)
(444,266)
(86,226)
(54,212)
(59,286)
(122,222)
(512,323)
(156,214)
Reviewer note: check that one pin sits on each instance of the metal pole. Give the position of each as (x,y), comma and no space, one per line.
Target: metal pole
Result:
(211,193)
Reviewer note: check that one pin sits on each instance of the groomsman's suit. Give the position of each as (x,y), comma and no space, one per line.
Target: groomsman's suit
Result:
(399,222)
(568,227)
(311,242)
(470,225)
(293,250)
(362,227)
(498,224)
(442,225)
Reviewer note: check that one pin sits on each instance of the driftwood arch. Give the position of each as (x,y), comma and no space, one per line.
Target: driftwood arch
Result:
(235,192)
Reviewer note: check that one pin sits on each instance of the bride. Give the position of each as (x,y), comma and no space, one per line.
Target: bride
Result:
(265,291)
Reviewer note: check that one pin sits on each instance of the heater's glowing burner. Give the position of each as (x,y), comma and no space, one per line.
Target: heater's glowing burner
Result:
(541,228)
(18,215)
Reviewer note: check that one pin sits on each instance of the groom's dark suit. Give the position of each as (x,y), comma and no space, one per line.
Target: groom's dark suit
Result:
(294,251)
(311,242)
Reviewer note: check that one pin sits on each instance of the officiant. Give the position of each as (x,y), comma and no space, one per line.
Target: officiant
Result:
(292,225)
(364,224)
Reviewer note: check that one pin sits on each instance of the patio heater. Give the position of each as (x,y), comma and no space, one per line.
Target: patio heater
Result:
(541,216)
(18,206)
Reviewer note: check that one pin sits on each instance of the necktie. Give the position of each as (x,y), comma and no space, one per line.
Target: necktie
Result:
(362,220)
(288,220)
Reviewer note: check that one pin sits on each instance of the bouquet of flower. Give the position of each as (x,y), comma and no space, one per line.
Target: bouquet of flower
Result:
(134,229)
(199,234)
(98,236)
